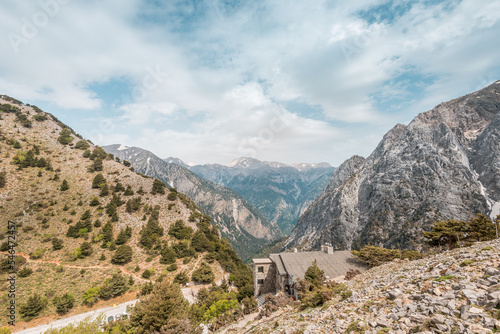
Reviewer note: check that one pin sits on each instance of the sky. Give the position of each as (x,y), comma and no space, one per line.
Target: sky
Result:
(209,81)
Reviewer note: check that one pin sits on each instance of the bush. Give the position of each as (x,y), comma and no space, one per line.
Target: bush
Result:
(119,187)
(146,274)
(94,201)
(23,119)
(3,179)
(163,305)
(33,306)
(126,163)
(203,274)
(158,187)
(99,181)
(25,272)
(5,330)
(124,235)
(64,303)
(82,145)
(65,137)
(57,244)
(37,254)
(133,204)
(181,278)
(167,255)
(375,256)
(172,196)
(180,231)
(96,166)
(249,305)
(86,249)
(122,255)
(4,246)
(451,232)
(91,295)
(128,191)
(351,273)
(182,249)
(172,267)
(64,185)
(114,287)
(104,191)
(200,243)
(40,118)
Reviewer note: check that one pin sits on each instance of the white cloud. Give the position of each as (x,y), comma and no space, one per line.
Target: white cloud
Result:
(224,78)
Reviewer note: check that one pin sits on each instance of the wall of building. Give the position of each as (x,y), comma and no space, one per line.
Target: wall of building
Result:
(268,276)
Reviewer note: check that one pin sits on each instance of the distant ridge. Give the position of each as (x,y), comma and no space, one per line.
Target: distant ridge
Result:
(246,228)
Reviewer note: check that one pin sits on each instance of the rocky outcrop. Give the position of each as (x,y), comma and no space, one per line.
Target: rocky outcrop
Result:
(239,221)
(445,164)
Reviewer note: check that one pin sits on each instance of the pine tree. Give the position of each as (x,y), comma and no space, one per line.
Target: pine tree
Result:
(107,233)
(99,181)
(86,249)
(124,235)
(64,185)
(104,191)
(314,274)
(164,304)
(200,243)
(158,187)
(33,306)
(119,187)
(64,303)
(3,179)
(122,255)
(480,228)
(57,244)
(167,255)
(114,287)
(203,274)
(129,191)
(180,231)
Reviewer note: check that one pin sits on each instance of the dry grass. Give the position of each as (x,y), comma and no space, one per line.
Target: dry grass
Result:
(38,207)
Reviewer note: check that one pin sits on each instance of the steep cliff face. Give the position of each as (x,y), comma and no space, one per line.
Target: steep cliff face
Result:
(238,220)
(279,191)
(444,164)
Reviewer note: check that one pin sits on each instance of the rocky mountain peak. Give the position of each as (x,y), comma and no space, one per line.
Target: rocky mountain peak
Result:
(443,165)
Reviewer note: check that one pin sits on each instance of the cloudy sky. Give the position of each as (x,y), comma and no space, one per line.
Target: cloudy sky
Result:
(212,80)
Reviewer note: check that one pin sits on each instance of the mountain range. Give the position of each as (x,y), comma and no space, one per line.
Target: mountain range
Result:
(281,192)
(245,227)
(445,164)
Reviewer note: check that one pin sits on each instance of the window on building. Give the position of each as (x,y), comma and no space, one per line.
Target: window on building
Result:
(260,281)
(260,269)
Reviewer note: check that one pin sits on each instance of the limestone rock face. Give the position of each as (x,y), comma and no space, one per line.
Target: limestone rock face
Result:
(445,164)
(279,191)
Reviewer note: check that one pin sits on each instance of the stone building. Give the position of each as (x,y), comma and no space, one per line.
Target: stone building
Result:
(279,271)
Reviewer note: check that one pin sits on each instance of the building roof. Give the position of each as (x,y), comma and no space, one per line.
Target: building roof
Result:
(279,264)
(334,265)
(262,261)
